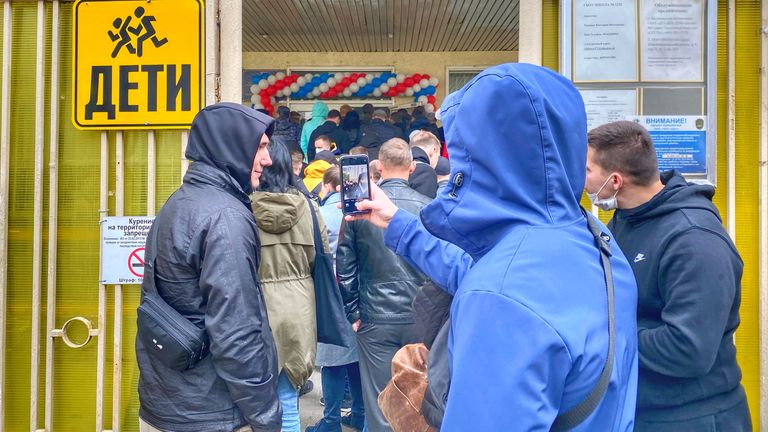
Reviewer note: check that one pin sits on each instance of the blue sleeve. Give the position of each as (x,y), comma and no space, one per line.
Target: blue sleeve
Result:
(508,367)
(445,263)
(698,284)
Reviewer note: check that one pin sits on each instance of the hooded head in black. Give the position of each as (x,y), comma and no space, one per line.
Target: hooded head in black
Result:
(226,136)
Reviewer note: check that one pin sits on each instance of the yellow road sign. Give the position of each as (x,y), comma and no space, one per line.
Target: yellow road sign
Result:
(138,64)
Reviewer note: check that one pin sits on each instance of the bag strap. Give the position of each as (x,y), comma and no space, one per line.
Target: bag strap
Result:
(584,409)
(316,227)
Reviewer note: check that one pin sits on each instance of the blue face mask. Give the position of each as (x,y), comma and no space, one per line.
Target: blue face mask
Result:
(603,204)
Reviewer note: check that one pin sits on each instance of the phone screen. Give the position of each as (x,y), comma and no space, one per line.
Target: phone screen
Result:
(355,182)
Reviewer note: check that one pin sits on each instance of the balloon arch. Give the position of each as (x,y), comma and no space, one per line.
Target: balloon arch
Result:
(268,88)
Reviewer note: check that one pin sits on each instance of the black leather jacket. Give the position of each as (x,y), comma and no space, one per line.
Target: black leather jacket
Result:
(377,285)
(207,269)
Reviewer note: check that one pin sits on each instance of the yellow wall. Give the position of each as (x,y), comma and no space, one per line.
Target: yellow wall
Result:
(432,63)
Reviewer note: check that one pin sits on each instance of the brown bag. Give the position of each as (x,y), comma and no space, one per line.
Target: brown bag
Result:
(400,401)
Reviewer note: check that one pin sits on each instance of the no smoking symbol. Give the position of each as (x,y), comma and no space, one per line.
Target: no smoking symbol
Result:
(136,262)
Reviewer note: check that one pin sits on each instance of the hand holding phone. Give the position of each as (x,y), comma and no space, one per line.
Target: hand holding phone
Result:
(355,183)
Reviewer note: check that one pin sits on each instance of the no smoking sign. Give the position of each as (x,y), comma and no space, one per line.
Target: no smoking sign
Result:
(122,249)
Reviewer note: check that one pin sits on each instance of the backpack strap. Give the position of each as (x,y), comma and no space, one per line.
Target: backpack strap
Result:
(585,408)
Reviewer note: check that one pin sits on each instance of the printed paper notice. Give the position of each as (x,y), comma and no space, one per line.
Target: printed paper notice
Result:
(672,40)
(122,249)
(605,106)
(680,141)
(604,41)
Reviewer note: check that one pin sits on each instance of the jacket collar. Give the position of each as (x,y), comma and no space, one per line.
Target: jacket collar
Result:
(393,182)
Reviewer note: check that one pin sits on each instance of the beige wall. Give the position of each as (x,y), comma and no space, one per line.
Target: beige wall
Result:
(432,63)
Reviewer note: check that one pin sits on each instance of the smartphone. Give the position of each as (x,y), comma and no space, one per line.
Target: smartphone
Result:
(355,182)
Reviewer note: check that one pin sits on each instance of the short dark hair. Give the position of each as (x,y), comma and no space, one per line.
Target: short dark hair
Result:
(334,114)
(625,147)
(332,176)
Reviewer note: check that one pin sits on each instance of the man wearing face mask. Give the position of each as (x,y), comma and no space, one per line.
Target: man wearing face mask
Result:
(688,275)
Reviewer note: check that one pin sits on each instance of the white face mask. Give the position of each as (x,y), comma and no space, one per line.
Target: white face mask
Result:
(603,204)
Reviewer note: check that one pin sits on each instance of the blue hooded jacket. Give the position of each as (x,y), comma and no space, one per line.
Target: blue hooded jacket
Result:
(529,325)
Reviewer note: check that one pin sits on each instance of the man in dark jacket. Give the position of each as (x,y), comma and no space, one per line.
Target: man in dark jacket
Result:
(688,275)
(207,269)
(378,287)
(286,131)
(377,132)
(333,131)
(425,148)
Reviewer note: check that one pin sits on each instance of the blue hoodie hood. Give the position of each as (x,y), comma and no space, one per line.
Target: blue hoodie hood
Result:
(517,137)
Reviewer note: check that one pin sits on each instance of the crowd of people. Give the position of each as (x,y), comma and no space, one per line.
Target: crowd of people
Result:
(536,315)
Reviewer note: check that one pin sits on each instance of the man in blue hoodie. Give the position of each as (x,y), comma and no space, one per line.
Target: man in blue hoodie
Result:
(689,279)
(529,328)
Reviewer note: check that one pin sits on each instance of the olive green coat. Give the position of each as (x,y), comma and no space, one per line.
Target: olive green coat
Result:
(285,272)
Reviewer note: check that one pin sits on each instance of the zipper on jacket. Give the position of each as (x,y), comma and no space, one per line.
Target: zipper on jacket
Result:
(458,180)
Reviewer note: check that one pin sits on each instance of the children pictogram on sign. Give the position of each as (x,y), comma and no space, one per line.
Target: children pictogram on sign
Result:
(124,39)
(136,262)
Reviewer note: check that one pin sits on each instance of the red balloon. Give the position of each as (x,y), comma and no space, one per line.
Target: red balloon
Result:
(271,91)
(265,99)
(280,85)
(431,99)
(401,87)
(425,76)
(332,94)
(416,77)
(408,82)
(338,88)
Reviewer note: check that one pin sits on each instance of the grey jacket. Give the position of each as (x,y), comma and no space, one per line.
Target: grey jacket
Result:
(207,269)
(377,285)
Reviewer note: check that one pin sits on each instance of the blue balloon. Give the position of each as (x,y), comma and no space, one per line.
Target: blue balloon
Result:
(431,90)
(317,80)
(265,75)
(324,76)
(255,79)
(376,82)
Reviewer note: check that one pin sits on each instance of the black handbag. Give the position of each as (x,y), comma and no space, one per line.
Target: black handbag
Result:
(168,336)
(331,319)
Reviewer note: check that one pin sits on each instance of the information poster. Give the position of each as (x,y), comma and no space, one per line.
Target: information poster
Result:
(680,141)
(122,249)
(606,106)
(604,41)
(672,40)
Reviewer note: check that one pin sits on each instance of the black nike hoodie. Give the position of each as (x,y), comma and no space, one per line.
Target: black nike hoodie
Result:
(688,275)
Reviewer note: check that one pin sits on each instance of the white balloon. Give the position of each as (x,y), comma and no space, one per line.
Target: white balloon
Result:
(400,78)
(287,91)
(323,87)
(347,92)
(429,108)
(272,100)
(361,81)
(294,87)
(301,81)
(392,82)
(255,99)
(416,88)
(316,91)
(409,92)
(280,75)
(422,99)
(310,95)
(434,81)
(354,87)
(332,82)
(263,84)
(376,93)
(279,93)
(254,89)
(368,78)
(347,74)
(258,105)
(307,77)
(271,79)
(384,88)
(424,82)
